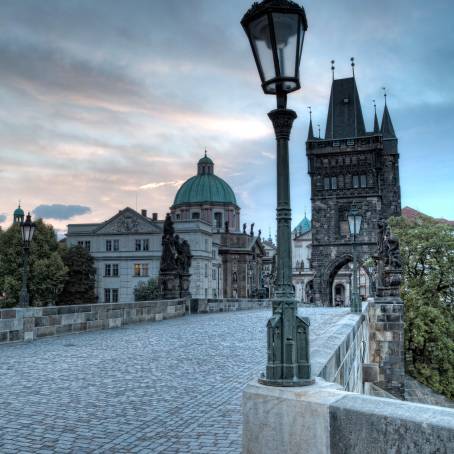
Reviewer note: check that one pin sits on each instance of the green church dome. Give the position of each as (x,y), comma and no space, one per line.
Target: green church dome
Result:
(205,187)
(303,227)
(19,212)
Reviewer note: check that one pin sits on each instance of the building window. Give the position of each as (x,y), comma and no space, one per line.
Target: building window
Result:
(196,215)
(326,184)
(213,273)
(206,245)
(333,183)
(137,270)
(88,245)
(138,245)
(206,270)
(218,220)
(178,217)
(206,293)
(114,295)
(363,181)
(80,243)
(115,270)
(108,245)
(141,270)
(107,270)
(213,254)
(146,245)
(145,269)
(107,295)
(116,245)
(355,181)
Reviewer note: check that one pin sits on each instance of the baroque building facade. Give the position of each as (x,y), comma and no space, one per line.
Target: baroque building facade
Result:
(226,262)
(349,168)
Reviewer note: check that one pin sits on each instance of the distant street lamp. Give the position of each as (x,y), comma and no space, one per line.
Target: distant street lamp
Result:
(354,223)
(276,29)
(27,232)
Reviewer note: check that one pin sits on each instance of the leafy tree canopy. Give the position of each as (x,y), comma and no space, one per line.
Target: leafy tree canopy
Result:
(79,287)
(427,250)
(147,291)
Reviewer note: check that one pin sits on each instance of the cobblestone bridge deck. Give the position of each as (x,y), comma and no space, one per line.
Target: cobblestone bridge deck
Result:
(167,387)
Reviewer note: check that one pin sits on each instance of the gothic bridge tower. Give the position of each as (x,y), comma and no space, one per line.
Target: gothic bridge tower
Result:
(349,168)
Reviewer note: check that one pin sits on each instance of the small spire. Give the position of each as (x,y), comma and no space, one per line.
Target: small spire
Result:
(333,67)
(310,135)
(385,93)
(387,128)
(205,152)
(353,65)
(376,124)
(319,136)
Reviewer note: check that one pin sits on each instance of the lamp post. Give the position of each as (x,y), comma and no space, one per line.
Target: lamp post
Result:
(354,223)
(275,29)
(27,232)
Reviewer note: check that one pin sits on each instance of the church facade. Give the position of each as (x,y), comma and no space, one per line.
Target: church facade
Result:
(226,262)
(349,168)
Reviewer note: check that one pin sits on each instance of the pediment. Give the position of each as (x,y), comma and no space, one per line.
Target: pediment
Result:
(128,221)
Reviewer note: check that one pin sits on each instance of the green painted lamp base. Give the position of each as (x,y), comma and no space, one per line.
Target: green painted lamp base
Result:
(287,383)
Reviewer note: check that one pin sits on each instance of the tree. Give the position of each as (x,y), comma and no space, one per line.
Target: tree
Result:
(46,273)
(147,291)
(79,287)
(427,250)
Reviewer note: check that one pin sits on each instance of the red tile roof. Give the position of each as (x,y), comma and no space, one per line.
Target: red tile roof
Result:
(411,213)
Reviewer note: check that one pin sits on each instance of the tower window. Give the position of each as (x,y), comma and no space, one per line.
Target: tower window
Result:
(218,220)
(196,215)
(355,181)
(326,183)
(363,181)
(333,183)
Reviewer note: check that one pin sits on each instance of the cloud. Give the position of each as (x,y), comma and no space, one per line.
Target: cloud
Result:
(3,217)
(61,212)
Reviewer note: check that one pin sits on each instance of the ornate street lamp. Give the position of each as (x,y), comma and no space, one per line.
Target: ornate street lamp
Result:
(354,224)
(27,231)
(276,29)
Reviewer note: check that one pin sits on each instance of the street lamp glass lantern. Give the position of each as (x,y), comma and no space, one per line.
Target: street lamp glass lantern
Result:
(354,222)
(27,230)
(276,29)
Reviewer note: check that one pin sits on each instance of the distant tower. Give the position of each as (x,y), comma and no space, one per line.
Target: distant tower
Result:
(349,168)
(18,215)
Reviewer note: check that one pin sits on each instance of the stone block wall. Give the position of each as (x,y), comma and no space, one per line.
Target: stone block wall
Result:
(203,306)
(386,343)
(33,323)
(345,366)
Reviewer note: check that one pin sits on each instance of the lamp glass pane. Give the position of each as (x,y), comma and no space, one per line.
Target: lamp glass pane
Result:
(261,40)
(301,42)
(25,232)
(351,223)
(32,231)
(286,32)
(358,221)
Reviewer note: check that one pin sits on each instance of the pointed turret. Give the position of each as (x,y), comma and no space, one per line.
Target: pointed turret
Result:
(345,117)
(387,128)
(376,124)
(310,135)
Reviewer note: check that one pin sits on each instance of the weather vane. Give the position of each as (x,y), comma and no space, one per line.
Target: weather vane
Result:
(385,93)
(310,112)
(333,67)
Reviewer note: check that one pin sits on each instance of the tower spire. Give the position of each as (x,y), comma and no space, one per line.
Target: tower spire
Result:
(310,135)
(376,124)
(353,65)
(333,67)
(387,128)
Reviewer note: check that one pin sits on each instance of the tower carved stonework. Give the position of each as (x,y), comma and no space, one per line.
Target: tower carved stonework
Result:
(349,168)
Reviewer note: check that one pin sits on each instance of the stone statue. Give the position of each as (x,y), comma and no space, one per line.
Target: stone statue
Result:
(388,262)
(260,233)
(175,264)
(252,229)
(244,228)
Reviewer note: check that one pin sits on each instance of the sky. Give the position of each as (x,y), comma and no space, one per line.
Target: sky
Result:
(110,104)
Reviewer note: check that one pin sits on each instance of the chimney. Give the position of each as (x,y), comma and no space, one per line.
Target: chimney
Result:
(144,213)
(155,216)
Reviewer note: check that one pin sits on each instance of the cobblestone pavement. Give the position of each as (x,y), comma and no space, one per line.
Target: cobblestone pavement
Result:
(168,387)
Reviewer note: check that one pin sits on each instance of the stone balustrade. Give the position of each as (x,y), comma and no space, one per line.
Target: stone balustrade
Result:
(28,324)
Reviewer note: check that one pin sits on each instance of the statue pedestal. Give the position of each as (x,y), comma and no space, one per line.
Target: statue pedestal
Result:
(169,285)
(185,281)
